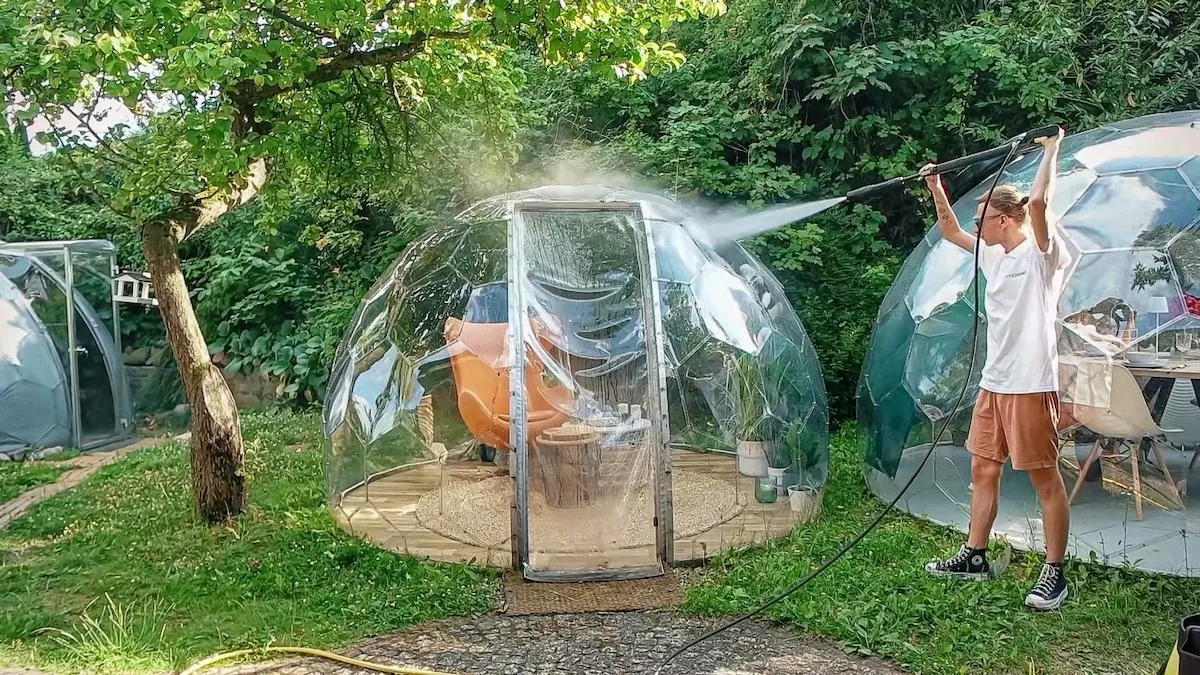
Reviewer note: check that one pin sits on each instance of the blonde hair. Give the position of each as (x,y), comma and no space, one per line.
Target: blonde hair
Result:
(1009,200)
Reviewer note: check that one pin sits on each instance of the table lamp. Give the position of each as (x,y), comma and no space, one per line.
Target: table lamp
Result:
(1157,307)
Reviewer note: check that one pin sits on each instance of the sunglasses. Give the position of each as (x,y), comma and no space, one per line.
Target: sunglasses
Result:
(979,221)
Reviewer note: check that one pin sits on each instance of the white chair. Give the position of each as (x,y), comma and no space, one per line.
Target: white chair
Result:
(1182,413)
(1127,419)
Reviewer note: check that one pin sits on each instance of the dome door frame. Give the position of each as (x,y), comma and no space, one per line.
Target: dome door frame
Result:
(656,436)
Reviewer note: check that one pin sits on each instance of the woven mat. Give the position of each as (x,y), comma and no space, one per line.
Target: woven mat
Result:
(529,597)
(478,512)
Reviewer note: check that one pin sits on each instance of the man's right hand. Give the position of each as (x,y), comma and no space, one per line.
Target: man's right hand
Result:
(932,180)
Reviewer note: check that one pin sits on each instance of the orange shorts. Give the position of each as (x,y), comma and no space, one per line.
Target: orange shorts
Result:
(1023,427)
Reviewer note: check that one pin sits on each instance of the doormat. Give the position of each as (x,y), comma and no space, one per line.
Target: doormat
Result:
(531,597)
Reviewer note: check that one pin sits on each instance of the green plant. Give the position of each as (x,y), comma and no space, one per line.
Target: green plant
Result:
(803,449)
(118,639)
(17,477)
(749,396)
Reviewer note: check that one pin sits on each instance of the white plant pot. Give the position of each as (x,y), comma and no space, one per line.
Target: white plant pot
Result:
(751,459)
(779,476)
(805,502)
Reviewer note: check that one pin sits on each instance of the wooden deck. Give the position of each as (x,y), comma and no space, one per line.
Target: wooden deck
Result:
(384,512)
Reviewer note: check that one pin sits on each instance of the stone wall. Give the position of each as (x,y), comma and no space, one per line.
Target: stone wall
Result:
(143,364)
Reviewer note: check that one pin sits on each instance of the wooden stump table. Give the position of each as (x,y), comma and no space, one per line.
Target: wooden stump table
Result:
(566,466)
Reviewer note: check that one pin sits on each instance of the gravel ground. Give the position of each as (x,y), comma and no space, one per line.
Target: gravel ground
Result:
(587,644)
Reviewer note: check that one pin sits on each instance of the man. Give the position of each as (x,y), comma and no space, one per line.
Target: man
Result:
(1024,261)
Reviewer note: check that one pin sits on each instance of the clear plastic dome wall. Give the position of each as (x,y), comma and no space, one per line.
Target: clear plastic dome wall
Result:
(1129,199)
(646,380)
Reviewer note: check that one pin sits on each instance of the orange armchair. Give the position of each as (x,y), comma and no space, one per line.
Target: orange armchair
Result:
(477,360)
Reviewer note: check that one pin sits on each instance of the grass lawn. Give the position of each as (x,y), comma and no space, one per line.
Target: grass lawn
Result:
(878,599)
(17,477)
(127,581)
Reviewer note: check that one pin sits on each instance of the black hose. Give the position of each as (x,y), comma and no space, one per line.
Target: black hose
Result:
(1012,150)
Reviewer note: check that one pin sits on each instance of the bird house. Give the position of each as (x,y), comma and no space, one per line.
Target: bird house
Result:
(134,287)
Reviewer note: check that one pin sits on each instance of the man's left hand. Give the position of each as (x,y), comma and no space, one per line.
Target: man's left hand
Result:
(1046,140)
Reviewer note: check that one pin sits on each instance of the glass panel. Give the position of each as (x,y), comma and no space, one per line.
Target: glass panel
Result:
(93,278)
(1184,253)
(939,361)
(1118,211)
(33,384)
(944,279)
(1136,290)
(1153,148)
(592,443)
(418,395)
(97,408)
(884,370)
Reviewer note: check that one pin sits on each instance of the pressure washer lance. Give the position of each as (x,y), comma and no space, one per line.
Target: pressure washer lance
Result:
(1018,145)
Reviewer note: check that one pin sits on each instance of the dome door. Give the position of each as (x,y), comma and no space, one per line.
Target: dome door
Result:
(587,394)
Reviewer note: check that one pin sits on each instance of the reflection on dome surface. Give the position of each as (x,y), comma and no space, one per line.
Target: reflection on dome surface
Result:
(1129,325)
(639,364)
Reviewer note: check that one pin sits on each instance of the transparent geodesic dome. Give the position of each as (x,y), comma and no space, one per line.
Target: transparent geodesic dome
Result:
(1128,195)
(654,403)
(61,378)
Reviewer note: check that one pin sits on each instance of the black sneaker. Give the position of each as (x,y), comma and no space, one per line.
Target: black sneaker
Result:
(968,564)
(1050,591)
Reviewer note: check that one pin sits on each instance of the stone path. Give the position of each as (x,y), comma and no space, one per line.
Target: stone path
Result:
(630,643)
(81,467)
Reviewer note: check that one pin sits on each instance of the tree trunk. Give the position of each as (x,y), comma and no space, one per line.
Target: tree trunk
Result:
(218,485)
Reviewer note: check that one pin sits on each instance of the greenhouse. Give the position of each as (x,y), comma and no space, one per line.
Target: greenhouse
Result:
(654,402)
(61,378)
(1128,199)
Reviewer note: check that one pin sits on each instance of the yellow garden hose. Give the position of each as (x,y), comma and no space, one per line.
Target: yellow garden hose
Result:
(350,661)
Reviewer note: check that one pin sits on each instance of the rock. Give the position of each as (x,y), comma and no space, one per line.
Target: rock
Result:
(157,355)
(136,357)
(185,436)
(182,409)
(44,452)
(4,457)
(251,390)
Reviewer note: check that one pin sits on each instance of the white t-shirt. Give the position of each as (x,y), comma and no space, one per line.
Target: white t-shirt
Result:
(1023,287)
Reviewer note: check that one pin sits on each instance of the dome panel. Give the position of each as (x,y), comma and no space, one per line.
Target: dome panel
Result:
(939,361)
(891,339)
(1191,173)
(420,316)
(1184,255)
(1135,209)
(677,255)
(1142,150)
(1180,118)
(428,255)
(943,280)
(1137,288)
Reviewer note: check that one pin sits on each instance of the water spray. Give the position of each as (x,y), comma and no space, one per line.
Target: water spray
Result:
(728,232)
(1007,152)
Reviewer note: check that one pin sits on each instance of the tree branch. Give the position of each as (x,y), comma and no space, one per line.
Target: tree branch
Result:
(295,22)
(246,93)
(216,203)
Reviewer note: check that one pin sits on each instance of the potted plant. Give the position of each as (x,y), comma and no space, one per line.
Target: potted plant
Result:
(749,402)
